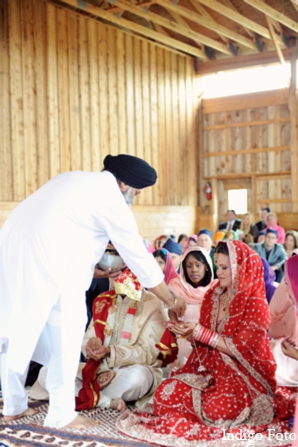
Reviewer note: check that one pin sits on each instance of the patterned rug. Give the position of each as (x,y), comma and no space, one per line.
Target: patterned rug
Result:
(30,432)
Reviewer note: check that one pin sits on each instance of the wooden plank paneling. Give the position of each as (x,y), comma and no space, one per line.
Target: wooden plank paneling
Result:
(6,182)
(52,93)
(104,122)
(41,119)
(112,92)
(74,96)
(63,93)
(252,142)
(246,101)
(84,77)
(94,97)
(121,85)
(147,198)
(29,88)
(16,101)
(74,89)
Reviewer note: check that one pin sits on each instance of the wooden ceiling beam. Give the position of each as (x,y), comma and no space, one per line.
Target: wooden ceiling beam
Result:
(273,35)
(271,12)
(139,29)
(214,26)
(172,25)
(230,5)
(201,10)
(236,17)
(248,60)
(294,3)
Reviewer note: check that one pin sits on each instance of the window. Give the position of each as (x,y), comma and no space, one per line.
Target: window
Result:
(246,80)
(237,200)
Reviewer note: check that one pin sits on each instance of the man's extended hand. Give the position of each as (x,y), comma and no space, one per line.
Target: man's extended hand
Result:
(179,308)
(98,273)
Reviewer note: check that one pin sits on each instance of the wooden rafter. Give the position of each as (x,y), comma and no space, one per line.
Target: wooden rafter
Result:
(200,8)
(236,17)
(139,29)
(271,12)
(167,4)
(230,5)
(170,24)
(273,35)
(295,4)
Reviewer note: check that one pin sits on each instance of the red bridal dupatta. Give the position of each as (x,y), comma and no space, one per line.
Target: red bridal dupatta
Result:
(215,393)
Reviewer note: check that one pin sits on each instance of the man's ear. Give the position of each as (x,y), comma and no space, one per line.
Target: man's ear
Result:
(123,186)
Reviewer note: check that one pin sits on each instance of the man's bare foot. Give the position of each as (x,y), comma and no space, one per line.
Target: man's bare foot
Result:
(81,423)
(28,412)
(118,404)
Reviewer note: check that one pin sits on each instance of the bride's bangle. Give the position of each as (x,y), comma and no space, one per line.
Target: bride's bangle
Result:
(172,305)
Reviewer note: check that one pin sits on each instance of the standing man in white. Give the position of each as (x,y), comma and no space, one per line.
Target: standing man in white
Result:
(49,246)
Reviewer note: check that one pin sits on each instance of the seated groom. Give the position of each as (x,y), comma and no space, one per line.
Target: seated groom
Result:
(119,346)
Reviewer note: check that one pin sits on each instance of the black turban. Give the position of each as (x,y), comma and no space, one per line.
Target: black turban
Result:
(131,170)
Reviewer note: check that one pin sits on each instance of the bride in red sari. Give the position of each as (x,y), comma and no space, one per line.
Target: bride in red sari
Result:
(227,387)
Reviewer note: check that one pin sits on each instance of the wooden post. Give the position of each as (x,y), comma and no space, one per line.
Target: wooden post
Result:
(293,105)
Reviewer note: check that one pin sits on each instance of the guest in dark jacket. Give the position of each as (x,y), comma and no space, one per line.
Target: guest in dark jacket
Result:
(232,223)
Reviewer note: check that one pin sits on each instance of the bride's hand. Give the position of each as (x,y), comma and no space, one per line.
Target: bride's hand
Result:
(183,329)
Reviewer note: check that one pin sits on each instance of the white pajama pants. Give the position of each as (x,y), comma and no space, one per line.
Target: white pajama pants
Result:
(130,384)
(61,390)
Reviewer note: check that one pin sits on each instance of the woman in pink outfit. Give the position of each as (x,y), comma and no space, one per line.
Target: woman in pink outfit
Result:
(273,225)
(284,324)
(165,262)
(196,277)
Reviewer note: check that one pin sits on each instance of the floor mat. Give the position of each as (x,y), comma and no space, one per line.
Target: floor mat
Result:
(30,432)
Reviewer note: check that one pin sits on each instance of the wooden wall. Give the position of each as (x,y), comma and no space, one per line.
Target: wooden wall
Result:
(247,142)
(73,90)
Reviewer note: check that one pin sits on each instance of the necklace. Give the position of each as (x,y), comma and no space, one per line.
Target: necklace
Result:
(225,300)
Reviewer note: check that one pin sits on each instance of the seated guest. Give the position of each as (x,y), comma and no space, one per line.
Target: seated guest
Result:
(182,239)
(273,252)
(229,379)
(262,224)
(205,241)
(160,240)
(247,227)
(231,235)
(217,237)
(195,278)
(192,241)
(148,245)
(269,279)
(261,236)
(291,242)
(232,223)
(284,324)
(175,251)
(119,344)
(248,239)
(165,262)
(273,225)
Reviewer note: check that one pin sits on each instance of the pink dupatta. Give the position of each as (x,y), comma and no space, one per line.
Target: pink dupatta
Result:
(182,288)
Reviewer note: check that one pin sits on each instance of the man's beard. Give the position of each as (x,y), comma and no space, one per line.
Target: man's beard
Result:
(128,196)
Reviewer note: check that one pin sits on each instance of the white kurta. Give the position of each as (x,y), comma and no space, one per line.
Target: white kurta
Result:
(49,246)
